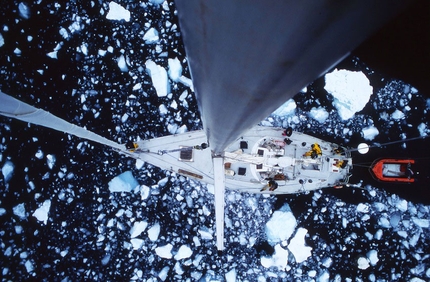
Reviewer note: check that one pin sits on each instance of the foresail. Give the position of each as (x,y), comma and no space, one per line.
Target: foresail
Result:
(247,57)
(14,108)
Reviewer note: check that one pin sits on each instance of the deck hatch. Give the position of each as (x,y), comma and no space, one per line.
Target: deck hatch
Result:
(186,154)
(243,145)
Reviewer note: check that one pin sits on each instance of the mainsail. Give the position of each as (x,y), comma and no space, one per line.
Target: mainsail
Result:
(247,57)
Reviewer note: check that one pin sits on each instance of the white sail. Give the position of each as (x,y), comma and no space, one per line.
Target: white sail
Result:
(14,108)
(247,57)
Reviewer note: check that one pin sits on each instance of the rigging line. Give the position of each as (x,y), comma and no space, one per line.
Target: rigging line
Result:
(390,143)
(366,166)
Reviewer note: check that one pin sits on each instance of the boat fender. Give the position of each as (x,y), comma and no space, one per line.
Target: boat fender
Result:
(288,132)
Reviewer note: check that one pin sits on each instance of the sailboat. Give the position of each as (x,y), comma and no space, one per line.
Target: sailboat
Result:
(236,88)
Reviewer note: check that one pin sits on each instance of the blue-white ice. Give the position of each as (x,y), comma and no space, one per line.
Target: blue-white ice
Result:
(125,182)
(7,170)
(24,10)
(183,252)
(138,228)
(175,69)
(158,77)
(319,114)
(164,251)
(285,218)
(154,232)
(117,12)
(151,36)
(298,247)
(19,210)
(370,132)
(129,228)
(42,212)
(351,91)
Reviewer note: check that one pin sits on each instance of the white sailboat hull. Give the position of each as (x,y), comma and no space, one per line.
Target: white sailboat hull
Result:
(261,155)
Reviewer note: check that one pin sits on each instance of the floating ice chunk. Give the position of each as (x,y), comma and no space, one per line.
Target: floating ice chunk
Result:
(327,262)
(158,77)
(378,234)
(172,128)
(39,154)
(7,170)
(319,114)
(42,212)
(363,208)
(414,239)
(24,10)
(397,115)
(182,129)
(63,32)
(395,219)
(125,182)
(372,255)
(52,55)
(421,222)
(175,69)
(19,210)
(154,232)
(164,273)
(384,222)
(1,40)
(122,64)
(139,163)
(324,277)
(2,211)
(137,243)
(50,160)
(124,118)
(183,252)
(144,192)
(29,266)
(186,81)
(416,279)
(297,246)
(137,86)
(288,108)
(151,36)
(164,251)
(84,49)
(369,132)
(402,205)
(163,109)
(351,91)
(157,2)
(231,275)
(117,12)
(282,217)
(279,259)
(363,263)
(105,259)
(205,234)
(138,228)
(422,128)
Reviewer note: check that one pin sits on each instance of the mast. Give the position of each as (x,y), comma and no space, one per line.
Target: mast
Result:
(247,57)
(11,107)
